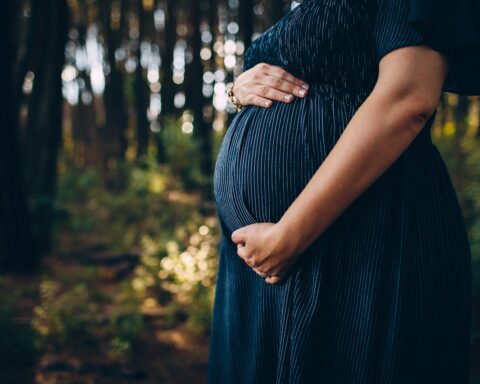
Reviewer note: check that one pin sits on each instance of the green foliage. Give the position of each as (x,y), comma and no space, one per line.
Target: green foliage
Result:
(18,341)
(472,192)
(71,315)
(120,219)
(78,184)
(64,315)
(185,267)
(154,216)
(458,140)
(125,325)
(182,151)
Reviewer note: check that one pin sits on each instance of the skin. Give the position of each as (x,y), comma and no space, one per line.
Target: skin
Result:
(263,83)
(405,95)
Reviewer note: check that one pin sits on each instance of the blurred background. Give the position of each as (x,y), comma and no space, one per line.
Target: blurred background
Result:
(112,115)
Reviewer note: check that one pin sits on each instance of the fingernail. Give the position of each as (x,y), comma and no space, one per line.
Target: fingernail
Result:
(302,92)
(267,103)
(306,86)
(288,97)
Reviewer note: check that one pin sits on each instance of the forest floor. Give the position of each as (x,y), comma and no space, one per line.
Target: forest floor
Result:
(161,353)
(98,333)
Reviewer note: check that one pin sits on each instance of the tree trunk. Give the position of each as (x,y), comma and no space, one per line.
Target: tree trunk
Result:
(141,88)
(86,147)
(276,10)
(167,92)
(112,135)
(246,21)
(168,86)
(17,250)
(194,84)
(460,114)
(44,127)
(213,25)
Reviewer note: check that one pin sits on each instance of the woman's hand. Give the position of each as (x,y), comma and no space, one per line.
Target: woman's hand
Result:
(266,249)
(263,83)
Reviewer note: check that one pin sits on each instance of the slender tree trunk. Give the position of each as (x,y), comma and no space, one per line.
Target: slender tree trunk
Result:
(141,87)
(213,25)
(27,54)
(50,25)
(20,30)
(460,113)
(276,10)
(113,133)
(246,20)
(167,92)
(194,84)
(17,250)
(86,144)
(168,86)
(477,101)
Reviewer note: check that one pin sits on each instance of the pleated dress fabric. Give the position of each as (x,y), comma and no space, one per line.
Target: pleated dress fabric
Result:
(384,294)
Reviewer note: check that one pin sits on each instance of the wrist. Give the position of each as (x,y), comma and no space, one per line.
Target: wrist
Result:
(288,238)
(233,98)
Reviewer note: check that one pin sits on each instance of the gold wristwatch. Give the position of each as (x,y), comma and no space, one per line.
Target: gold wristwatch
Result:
(233,99)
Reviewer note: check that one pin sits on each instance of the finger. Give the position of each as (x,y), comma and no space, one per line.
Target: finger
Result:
(238,236)
(244,254)
(254,263)
(259,101)
(273,279)
(249,259)
(282,73)
(268,92)
(260,273)
(283,85)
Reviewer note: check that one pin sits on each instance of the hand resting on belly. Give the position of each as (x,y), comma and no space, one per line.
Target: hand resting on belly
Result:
(263,83)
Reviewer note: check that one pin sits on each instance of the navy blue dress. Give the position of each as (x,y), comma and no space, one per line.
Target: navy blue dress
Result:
(384,294)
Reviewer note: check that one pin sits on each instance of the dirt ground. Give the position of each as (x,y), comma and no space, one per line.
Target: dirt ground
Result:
(162,354)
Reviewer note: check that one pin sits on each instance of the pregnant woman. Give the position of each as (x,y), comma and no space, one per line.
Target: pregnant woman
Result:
(344,255)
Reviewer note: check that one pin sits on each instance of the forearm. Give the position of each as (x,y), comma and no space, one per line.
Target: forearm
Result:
(375,137)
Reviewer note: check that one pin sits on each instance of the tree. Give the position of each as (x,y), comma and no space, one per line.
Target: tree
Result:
(194,84)
(17,250)
(276,10)
(167,92)
(246,21)
(49,26)
(86,146)
(112,136)
(141,88)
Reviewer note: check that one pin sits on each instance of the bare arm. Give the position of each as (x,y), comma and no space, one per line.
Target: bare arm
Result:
(405,95)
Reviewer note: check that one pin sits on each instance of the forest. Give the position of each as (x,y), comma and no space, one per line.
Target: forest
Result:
(112,115)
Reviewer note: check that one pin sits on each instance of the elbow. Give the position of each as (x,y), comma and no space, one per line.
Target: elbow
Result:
(407,108)
(419,108)
(409,112)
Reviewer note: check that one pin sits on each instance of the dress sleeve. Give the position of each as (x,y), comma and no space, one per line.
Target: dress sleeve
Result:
(448,26)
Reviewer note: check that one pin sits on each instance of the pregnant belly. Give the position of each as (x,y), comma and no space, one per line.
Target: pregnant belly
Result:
(268,155)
